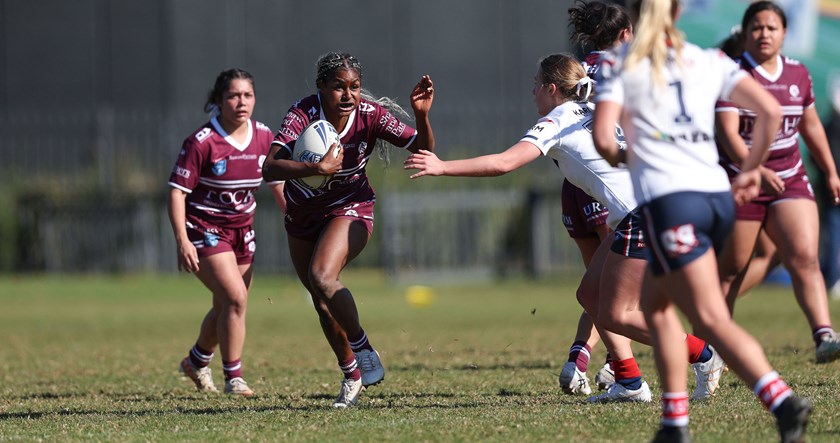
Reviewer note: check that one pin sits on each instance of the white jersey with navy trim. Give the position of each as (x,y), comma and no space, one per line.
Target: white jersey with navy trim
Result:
(565,135)
(670,127)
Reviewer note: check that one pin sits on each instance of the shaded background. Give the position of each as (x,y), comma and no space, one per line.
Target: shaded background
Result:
(96,97)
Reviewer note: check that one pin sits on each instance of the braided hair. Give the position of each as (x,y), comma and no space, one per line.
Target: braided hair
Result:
(332,61)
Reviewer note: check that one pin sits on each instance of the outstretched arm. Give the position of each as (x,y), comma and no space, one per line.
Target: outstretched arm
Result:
(491,165)
(421,102)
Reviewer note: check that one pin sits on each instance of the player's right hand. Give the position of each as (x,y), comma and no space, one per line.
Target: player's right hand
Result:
(187,258)
(426,161)
(771,183)
(745,186)
(331,161)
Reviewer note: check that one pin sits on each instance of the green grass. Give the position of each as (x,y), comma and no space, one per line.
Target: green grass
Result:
(94,359)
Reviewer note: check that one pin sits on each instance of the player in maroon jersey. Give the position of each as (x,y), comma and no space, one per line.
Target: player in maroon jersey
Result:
(786,208)
(595,26)
(330,226)
(211,209)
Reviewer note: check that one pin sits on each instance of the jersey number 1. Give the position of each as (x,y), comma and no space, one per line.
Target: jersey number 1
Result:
(682,117)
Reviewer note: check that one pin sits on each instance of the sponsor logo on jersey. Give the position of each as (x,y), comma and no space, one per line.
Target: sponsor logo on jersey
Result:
(679,240)
(250,235)
(312,112)
(243,157)
(183,172)
(220,167)
(352,213)
(203,134)
(211,240)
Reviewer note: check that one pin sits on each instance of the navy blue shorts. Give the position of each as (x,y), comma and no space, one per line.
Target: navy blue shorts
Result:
(682,226)
(628,238)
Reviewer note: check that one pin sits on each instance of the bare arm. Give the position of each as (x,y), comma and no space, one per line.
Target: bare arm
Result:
(187,255)
(729,139)
(491,165)
(603,132)
(813,133)
(749,94)
(421,102)
(279,165)
(279,198)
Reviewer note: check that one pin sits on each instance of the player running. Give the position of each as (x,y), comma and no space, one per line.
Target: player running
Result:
(663,90)
(328,227)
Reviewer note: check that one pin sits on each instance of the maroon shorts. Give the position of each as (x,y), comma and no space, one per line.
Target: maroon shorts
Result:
(209,240)
(582,214)
(796,186)
(306,223)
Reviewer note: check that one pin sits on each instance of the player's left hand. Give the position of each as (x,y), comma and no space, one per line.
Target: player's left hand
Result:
(833,184)
(422,95)
(746,186)
(426,161)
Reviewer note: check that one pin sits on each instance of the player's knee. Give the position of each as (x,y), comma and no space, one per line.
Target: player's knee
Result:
(323,284)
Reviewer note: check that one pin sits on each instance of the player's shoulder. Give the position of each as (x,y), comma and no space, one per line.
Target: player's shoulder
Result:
(261,127)
(308,106)
(794,65)
(201,136)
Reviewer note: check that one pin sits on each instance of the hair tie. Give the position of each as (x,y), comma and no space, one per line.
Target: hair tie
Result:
(585,81)
(213,110)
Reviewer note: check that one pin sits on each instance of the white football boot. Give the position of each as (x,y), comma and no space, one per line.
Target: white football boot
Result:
(349,394)
(237,386)
(202,377)
(618,393)
(829,348)
(707,375)
(605,377)
(573,381)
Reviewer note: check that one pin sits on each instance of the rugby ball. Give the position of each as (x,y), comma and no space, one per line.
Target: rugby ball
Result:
(311,146)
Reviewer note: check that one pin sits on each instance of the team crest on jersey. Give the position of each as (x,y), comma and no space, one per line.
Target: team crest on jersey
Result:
(366,107)
(362,151)
(220,167)
(794,91)
(211,240)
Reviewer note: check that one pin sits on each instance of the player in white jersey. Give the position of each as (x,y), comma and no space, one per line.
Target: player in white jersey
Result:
(611,287)
(211,209)
(595,26)
(663,91)
(786,210)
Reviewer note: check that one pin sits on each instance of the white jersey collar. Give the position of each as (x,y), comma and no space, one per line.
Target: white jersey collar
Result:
(349,120)
(228,138)
(763,72)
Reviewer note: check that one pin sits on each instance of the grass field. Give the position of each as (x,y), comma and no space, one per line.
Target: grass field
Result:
(94,359)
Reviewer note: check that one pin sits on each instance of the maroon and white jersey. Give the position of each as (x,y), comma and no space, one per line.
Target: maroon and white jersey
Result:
(592,62)
(220,175)
(792,87)
(369,123)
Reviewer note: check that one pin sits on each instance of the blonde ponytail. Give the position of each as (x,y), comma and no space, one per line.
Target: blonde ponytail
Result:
(654,31)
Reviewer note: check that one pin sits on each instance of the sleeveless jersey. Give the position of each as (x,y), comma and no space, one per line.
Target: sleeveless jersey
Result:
(220,175)
(369,123)
(793,89)
(565,135)
(670,127)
